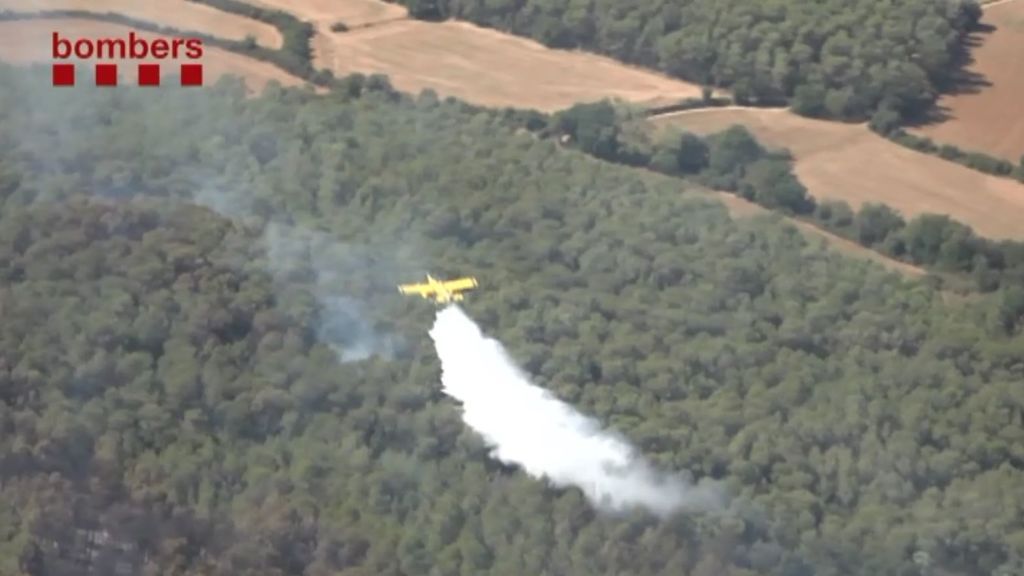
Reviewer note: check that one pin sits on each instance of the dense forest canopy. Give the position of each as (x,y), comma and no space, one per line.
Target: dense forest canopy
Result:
(164,386)
(835,58)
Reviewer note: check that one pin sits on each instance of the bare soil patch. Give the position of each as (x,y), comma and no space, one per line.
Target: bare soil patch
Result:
(849,162)
(988,118)
(178,14)
(20,44)
(489,68)
(323,13)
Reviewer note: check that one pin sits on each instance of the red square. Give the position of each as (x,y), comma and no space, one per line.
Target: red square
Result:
(106,74)
(149,74)
(63,74)
(191,74)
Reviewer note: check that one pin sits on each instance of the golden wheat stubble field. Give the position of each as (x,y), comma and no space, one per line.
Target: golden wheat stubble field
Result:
(849,162)
(479,65)
(991,118)
(489,68)
(29,41)
(352,13)
(177,14)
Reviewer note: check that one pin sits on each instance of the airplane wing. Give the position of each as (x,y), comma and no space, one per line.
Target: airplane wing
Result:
(460,284)
(421,289)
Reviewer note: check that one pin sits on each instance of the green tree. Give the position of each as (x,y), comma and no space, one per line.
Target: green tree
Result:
(875,223)
(594,128)
(693,153)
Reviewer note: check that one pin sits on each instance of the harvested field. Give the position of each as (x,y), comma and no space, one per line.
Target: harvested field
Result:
(177,14)
(20,44)
(489,68)
(988,118)
(849,162)
(323,13)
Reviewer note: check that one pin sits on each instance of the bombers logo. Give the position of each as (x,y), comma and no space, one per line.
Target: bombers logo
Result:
(133,47)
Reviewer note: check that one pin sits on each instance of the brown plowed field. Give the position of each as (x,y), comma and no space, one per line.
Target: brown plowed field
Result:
(353,13)
(177,14)
(489,68)
(992,118)
(27,41)
(849,162)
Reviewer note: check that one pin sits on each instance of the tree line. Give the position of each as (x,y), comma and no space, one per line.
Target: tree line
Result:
(295,55)
(974,160)
(734,161)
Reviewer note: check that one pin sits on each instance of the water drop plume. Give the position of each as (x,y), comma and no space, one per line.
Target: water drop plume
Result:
(527,426)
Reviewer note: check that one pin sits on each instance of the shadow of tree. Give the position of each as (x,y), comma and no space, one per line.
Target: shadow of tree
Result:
(962,80)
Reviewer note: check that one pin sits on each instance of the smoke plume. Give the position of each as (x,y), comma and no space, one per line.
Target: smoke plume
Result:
(335,266)
(336,273)
(527,426)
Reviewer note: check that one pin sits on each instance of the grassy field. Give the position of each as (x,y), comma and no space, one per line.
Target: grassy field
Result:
(177,14)
(849,162)
(489,68)
(28,41)
(988,118)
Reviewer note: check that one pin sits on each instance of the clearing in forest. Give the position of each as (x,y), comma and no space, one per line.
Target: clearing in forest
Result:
(177,14)
(323,13)
(849,162)
(28,41)
(988,117)
(488,67)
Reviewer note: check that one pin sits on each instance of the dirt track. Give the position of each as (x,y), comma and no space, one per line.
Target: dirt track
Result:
(177,14)
(730,107)
(990,119)
(19,44)
(849,162)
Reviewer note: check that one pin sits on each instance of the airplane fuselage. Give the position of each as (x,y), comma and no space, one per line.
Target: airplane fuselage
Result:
(440,291)
(441,294)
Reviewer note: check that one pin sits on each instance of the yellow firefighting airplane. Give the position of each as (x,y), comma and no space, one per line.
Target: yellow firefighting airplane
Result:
(441,291)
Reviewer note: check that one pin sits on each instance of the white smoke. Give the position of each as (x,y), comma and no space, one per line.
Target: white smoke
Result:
(343,325)
(529,427)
